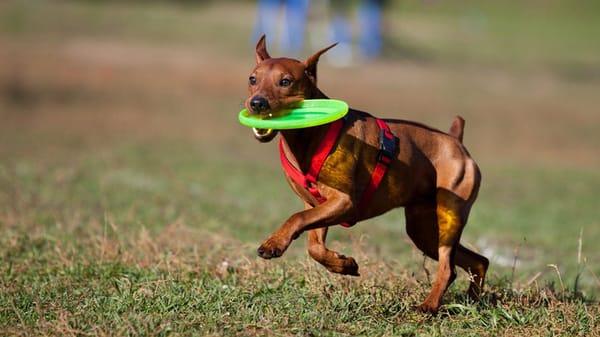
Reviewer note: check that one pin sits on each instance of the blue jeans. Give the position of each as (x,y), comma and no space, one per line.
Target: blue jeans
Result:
(369,15)
(292,36)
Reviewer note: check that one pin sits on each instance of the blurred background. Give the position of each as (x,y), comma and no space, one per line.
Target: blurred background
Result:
(118,124)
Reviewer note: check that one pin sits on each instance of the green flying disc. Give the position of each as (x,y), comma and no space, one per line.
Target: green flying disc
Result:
(310,112)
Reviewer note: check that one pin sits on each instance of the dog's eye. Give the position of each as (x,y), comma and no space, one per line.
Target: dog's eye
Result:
(252,80)
(285,82)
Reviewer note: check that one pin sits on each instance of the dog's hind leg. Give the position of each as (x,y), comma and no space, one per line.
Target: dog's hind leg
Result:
(450,224)
(435,228)
(422,226)
(474,264)
(333,261)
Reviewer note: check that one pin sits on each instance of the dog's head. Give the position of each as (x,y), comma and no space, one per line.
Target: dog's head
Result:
(278,83)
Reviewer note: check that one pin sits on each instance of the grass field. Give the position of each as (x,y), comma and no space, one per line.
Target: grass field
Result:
(132,202)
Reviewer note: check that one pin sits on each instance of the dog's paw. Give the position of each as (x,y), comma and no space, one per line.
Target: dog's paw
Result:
(271,248)
(428,308)
(347,267)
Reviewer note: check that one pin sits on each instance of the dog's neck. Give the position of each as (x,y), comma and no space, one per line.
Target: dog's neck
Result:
(303,142)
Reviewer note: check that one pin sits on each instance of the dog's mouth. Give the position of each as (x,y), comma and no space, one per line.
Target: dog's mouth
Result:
(274,113)
(277,110)
(264,135)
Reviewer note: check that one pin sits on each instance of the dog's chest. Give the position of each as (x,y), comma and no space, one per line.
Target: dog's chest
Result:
(349,166)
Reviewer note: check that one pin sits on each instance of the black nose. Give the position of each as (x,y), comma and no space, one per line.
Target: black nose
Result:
(259,104)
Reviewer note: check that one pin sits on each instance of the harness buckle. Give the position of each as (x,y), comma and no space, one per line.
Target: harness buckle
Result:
(309,181)
(388,144)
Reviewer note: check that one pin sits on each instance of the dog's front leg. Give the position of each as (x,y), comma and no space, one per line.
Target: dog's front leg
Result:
(332,260)
(331,212)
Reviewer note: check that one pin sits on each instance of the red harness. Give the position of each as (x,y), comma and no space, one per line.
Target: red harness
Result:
(387,150)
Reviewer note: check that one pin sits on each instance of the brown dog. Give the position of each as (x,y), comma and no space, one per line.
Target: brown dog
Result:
(433,177)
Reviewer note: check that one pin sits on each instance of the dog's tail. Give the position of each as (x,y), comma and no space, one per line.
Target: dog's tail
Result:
(457,128)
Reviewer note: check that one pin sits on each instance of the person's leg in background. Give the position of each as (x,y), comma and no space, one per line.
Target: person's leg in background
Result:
(370,18)
(267,20)
(296,12)
(341,32)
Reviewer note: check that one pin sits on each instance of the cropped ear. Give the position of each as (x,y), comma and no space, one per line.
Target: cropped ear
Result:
(311,63)
(261,50)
